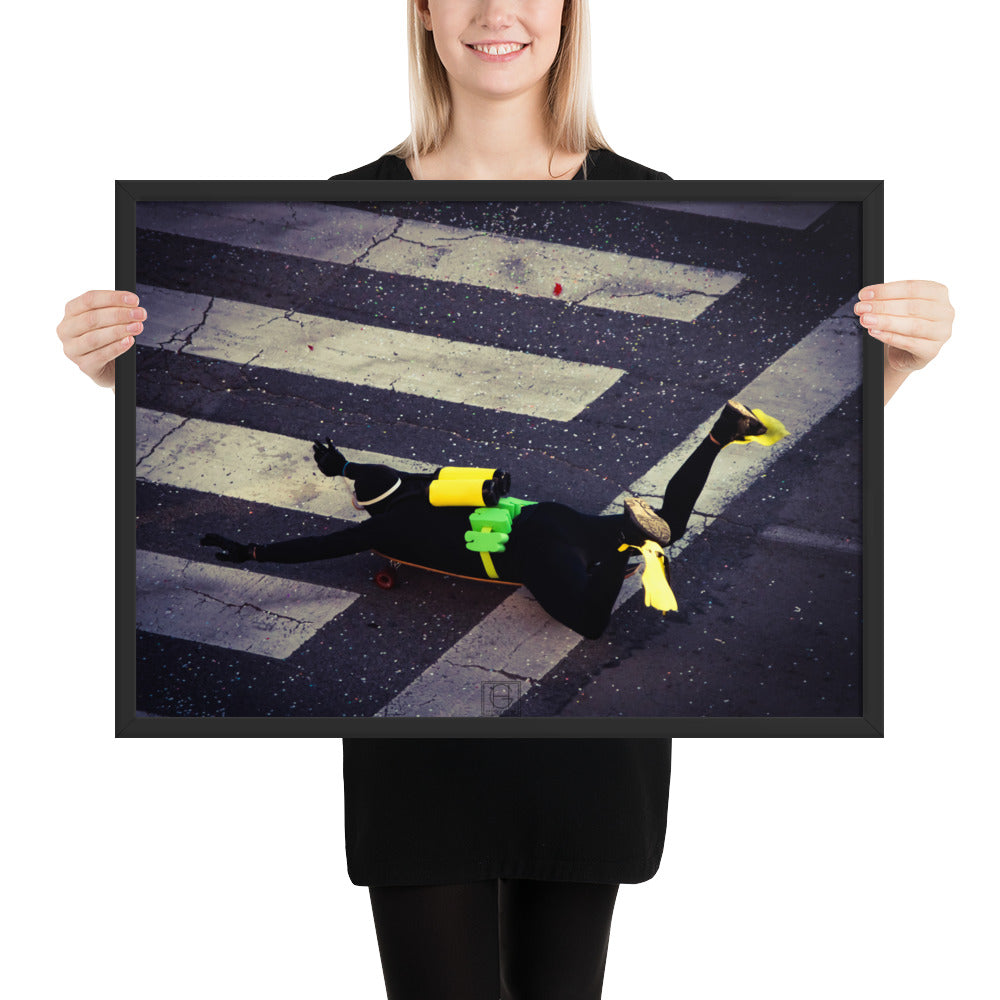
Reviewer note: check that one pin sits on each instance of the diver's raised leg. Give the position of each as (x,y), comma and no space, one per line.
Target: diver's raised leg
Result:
(735,423)
(373,483)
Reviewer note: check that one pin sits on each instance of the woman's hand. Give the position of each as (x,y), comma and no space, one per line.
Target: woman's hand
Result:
(912,319)
(97,328)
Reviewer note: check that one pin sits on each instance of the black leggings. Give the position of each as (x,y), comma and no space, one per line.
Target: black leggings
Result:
(515,939)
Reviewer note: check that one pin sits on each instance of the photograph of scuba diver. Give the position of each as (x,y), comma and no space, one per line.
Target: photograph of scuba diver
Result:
(565,395)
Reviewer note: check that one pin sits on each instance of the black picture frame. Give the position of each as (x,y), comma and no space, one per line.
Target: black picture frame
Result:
(862,200)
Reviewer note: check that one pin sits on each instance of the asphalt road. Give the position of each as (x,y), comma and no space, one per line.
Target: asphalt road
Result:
(769,587)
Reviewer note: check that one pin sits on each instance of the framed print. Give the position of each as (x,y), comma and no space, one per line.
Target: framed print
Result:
(499,459)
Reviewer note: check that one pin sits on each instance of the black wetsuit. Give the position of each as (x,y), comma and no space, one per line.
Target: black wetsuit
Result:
(569,560)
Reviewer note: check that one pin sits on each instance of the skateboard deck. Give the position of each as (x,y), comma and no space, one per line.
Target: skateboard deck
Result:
(386,577)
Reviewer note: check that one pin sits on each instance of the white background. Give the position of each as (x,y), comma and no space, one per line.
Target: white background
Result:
(208,868)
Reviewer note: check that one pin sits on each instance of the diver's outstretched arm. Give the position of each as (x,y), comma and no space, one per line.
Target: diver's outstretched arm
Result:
(357,538)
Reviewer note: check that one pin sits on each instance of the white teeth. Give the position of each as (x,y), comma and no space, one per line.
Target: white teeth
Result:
(498,50)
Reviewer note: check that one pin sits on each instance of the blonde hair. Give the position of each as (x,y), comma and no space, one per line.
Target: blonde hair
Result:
(571,122)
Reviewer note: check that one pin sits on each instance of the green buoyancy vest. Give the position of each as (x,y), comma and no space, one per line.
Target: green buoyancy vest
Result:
(491,528)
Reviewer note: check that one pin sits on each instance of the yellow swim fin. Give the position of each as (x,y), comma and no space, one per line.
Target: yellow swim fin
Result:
(654,578)
(774,430)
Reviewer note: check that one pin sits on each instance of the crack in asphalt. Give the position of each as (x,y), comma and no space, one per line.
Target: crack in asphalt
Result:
(246,604)
(666,296)
(375,242)
(441,251)
(188,333)
(157,444)
(288,314)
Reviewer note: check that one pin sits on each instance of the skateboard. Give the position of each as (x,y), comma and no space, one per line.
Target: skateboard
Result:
(387,576)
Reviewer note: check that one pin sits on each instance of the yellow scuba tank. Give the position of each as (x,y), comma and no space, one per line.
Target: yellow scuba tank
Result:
(460,486)
(462,493)
(464,472)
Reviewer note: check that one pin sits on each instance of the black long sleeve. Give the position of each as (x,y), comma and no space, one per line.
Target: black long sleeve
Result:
(345,542)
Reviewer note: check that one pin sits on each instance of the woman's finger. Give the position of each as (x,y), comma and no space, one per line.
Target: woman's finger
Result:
(914,289)
(87,343)
(94,362)
(83,334)
(98,319)
(932,309)
(908,326)
(922,350)
(99,299)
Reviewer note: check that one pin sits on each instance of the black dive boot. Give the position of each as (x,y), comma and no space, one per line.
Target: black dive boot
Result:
(329,460)
(735,423)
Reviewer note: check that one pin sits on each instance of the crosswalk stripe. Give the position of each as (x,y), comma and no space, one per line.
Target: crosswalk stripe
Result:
(800,538)
(800,388)
(439,252)
(246,464)
(493,378)
(784,215)
(231,607)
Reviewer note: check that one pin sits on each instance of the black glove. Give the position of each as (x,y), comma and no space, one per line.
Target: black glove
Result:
(329,460)
(234,552)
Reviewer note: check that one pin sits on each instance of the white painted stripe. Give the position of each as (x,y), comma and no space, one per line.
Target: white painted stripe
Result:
(449,253)
(783,214)
(801,538)
(472,684)
(800,388)
(230,607)
(320,232)
(432,367)
(247,464)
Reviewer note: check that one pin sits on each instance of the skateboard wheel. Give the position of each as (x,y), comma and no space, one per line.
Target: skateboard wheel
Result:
(386,578)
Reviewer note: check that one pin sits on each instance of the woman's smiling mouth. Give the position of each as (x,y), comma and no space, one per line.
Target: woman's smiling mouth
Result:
(497,51)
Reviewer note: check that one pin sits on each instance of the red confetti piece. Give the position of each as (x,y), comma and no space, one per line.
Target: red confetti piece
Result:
(310,346)
(557,290)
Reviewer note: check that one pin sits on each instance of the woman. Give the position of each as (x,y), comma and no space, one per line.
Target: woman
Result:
(444,830)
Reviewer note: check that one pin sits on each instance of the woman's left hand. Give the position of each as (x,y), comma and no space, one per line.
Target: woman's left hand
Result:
(912,318)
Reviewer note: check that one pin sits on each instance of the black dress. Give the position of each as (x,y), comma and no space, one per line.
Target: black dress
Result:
(438,811)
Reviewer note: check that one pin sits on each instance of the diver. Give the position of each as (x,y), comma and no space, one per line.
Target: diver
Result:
(572,563)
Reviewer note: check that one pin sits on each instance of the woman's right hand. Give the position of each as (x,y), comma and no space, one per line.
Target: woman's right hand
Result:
(98,327)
